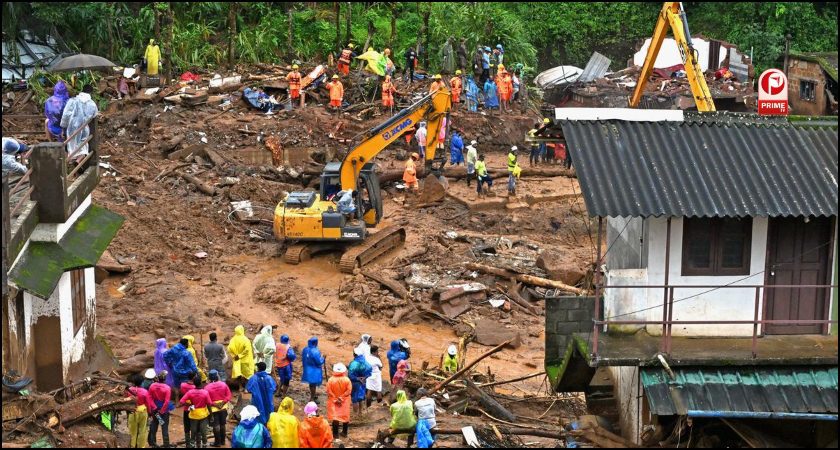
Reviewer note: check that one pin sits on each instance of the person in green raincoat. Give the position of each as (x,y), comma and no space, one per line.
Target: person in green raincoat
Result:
(402,417)
(264,347)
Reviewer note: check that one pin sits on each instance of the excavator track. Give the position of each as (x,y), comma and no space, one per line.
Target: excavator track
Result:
(297,253)
(372,247)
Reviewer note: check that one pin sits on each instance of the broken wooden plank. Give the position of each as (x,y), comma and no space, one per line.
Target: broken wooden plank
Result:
(393,285)
(496,408)
(467,367)
(198,149)
(528,279)
(217,159)
(200,185)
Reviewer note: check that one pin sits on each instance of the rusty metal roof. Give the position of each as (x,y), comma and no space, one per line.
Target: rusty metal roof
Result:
(781,389)
(703,169)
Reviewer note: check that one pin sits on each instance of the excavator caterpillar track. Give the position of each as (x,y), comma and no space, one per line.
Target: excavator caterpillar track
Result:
(297,253)
(372,247)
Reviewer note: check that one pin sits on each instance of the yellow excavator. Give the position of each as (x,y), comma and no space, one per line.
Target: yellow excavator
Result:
(310,221)
(673,16)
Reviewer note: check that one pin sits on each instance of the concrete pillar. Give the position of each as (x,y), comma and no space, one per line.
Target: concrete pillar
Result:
(49,176)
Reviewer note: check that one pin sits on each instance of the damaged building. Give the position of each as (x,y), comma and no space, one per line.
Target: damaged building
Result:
(716,314)
(812,83)
(53,236)
(729,74)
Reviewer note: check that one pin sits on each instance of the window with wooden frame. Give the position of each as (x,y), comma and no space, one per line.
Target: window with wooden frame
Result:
(807,90)
(716,246)
(77,292)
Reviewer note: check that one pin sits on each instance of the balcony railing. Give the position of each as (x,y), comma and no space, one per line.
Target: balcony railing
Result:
(668,321)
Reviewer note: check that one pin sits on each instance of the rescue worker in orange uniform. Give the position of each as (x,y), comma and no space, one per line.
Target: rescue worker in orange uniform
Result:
(336,92)
(410,173)
(293,78)
(314,431)
(339,388)
(388,91)
(344,59)
(504,86)
(437,84)
(456,84)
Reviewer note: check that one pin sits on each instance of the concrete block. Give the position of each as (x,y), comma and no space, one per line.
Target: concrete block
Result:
(579,315)
(566,328)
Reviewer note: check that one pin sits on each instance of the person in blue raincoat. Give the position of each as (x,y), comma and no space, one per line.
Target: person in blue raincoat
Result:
(490,98)
(456,148)
(358,372)
(250,433)
(180,362)
(472,93)
(313,364)
(262,386)
(395,355)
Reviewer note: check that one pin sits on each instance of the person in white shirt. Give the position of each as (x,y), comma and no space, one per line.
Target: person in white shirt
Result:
(425,407)
(374,381)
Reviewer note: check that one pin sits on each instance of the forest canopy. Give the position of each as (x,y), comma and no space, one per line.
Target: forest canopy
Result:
(539,35)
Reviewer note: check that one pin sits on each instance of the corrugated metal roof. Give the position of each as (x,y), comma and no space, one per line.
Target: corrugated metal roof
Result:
(789,389)
(697,169)
(596,67)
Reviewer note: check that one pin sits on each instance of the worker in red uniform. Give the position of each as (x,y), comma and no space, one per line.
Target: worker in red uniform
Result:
(456,84)
(336,92)
(388,91)
(344,59)
(294,84)
(504,86)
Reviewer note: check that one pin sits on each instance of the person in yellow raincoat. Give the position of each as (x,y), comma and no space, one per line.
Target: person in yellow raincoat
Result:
(152,57)
(402,417)
(242,353)
(283,425)
(190,349)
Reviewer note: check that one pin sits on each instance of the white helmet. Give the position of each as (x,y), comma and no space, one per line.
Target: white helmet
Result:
(339,368)
(474,142)
(452,350)
(514,148)
(149,374)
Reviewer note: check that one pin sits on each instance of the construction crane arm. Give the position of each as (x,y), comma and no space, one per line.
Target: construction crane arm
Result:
(672,15)
(434,107)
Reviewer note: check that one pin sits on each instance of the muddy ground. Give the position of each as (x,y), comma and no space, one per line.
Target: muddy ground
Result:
(196,268)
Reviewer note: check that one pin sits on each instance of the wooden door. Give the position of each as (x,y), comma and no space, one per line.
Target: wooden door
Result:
(798,254)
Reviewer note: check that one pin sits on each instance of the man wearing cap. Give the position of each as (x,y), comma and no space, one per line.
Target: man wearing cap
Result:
(410,173)
(450,360)
(148,378)
(138,426)
(336,92)
(339,391)
(344,59)
(472,158)
(220,396)
(12,148)
(456,85)
(388,91)
(294,84)
(511,166)
(436,84)
(504,86)
(482,176)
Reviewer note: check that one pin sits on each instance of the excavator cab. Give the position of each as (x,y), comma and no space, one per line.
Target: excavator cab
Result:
(369,201)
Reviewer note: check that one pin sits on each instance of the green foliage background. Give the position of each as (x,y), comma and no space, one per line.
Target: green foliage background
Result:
(540,35)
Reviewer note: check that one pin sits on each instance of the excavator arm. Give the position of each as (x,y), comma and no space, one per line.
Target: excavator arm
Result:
(673,16)
(433,107)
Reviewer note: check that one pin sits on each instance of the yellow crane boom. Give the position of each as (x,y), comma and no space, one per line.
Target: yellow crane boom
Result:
(672,15)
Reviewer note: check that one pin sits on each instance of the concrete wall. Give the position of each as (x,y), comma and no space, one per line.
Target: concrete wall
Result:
(799,71)
(720,304)
(628,392)
(60,306)
(626,238)
(564,317)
